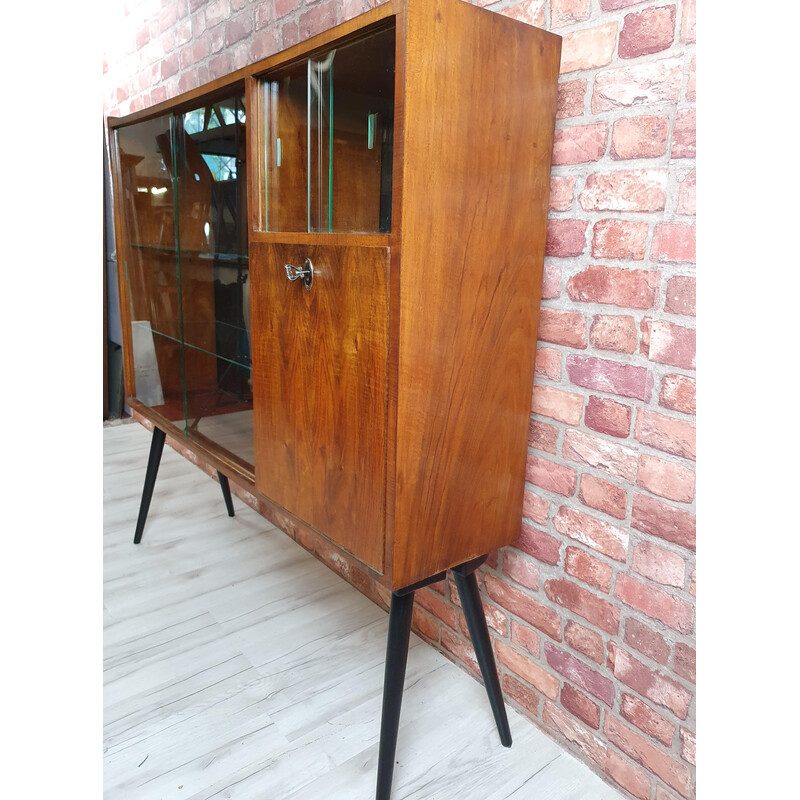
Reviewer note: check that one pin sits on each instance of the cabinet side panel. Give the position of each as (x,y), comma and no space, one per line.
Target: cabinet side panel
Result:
(480,110)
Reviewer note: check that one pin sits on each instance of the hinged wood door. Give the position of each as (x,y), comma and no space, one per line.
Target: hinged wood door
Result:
(320,382)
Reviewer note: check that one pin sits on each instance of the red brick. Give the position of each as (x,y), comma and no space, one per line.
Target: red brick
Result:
(584,641)
(579,673)
(646,720)
(678,392)
(566,238)
(625,190)
(425,624)
(667,522)
(542,436)
(640,84)
(525,638)
(615,5)
(495,618)
(639,137)
(589,48)
(431,602)
(551,281)
(655,686)
(538,544)
(528,11)
(684,134)
(580,705)
(557,404)
(603,496)
(665,794)
(571,95)
(521,569)
(562,192)
(520,693)
(582,602)
(587,568)
(693,583)
(656,603)
(220,66)
(688,21)
(528,670)
(625,380)
(613,458)
(614,333)
(461,651)
(568,12)
(550,476)
(548,363)
(649,31)
(284,7)
(659,565)
(568,727)
(567,328)
(680,295)
(290,33)
(675,436)
(674,242)
(685,662)
(687,194)
(666,478)
(592,532)
(542,618)
(646,641)
(265,43)
(691,83)
(608,416)
(535,508)
(318,19)
(688,746)
(619,238)
(217,12)
(628,776)
(579,144)
(238,28)
(648,755)
(618,286)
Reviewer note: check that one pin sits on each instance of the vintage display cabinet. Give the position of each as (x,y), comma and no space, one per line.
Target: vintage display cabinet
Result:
(330,268)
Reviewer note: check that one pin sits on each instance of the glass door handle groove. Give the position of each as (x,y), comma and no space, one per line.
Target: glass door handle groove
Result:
(306,273)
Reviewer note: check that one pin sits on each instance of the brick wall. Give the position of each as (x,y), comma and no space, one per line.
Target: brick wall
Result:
(593,610)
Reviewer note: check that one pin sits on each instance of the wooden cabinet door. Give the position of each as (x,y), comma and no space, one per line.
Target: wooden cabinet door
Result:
(320,389)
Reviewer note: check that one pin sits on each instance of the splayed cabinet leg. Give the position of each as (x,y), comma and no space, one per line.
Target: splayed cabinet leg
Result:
(226,492)
(153,461)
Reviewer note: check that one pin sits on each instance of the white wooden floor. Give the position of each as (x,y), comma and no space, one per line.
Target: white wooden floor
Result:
(239,666)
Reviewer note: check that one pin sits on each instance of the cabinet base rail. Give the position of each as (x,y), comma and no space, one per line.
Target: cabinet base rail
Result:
(400,613)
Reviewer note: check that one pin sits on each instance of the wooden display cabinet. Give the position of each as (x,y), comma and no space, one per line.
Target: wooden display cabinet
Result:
(346,326)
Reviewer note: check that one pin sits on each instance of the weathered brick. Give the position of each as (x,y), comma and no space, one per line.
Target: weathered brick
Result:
(460,650)
(646,720)
(520,693)
(580,705)
(649,31)
(687,194)
(580,674)
(567,328)
(616,333)
(646,641)
(594,533)
(678,393)
(613,458)
(680,295)
(521,569)
(265,43)
(425,624)
(216,12)
(548,364)
(589,48)
(582,602)
(625,190)
(547,401)
(674,242)
(639,137)
(542,436)
(659,565)
(666,478)
(615,5)
(627,775)
(675,436)
(550,476)
(431,602)
(238,28)
(566,238)
(684,134)
(618,286)
(527,669)
(538,544)
(589,745)
(580,144)
(603,496)
(685,662)
(664,794)
(688,746)
(570,99)
(317,19)
(551,281)
(667,522)
(568,12)
(495,617)
(290,33)
(562,192)
(535,508)
(526,638)
(639,84)
(691,83)
(587,568)
(584,641)
(648,755)
(619,238)
(517,602)
(528,11)
(625,380)
(608,416)
(656,603)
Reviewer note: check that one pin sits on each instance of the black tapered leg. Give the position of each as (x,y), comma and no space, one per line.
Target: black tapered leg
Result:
(153,460)
(400,610)
(467,585)
(226,492)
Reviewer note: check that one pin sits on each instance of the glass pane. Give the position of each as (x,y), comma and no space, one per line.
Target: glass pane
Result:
(150,264)
(286,112)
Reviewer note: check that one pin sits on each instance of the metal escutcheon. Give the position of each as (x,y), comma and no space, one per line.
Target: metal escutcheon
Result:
(306,273)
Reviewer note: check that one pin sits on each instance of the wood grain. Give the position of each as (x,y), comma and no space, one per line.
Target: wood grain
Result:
(319,379)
